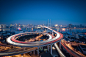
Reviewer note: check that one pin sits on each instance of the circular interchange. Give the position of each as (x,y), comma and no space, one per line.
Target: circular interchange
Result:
(51,40)
(27,33)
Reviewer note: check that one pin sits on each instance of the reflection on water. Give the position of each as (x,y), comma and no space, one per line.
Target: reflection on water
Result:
(70,30)
(32,29)
(6,29)
(75,30)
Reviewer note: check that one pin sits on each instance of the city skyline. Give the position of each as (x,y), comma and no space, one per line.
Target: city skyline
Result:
(39,11)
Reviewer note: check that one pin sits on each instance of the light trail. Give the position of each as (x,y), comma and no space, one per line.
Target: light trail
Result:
(59,36)
(60,52)
(71,48)
(12,40)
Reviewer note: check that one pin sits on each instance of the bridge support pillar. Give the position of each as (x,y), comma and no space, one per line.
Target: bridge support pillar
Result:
(42,48)
(51,49)
(60,44)
(38,51)
(48,47)
(34,52)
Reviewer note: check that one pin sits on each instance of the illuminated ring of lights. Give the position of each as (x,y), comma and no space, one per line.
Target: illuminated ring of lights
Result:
(13,38)
(14,41)
(37,43)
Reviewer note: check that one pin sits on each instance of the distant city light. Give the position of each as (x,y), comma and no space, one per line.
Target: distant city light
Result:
(19,25)
(63,29)
(19,28)
(60,25)
(85,33)
(0,29)
(38,27)
(0,37)
(56,25)
(32,29)
(74,27)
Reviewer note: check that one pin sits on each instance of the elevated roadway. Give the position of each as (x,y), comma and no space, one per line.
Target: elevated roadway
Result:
(12,40)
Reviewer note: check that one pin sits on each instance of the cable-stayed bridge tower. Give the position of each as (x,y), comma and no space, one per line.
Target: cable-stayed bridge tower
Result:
(49,23)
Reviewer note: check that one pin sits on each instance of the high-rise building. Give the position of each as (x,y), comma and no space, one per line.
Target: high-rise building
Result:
(70,26)
(2,25)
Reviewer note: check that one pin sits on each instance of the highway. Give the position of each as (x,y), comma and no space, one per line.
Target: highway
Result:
(12,40)
(18,51)
(51,40)
(71,50)
(60,52)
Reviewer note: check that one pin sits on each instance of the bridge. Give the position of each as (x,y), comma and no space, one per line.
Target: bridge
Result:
(49,42)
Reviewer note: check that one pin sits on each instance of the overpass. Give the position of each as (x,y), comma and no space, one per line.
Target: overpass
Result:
(49,42)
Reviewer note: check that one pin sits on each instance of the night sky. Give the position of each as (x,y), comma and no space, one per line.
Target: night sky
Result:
(39,11)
